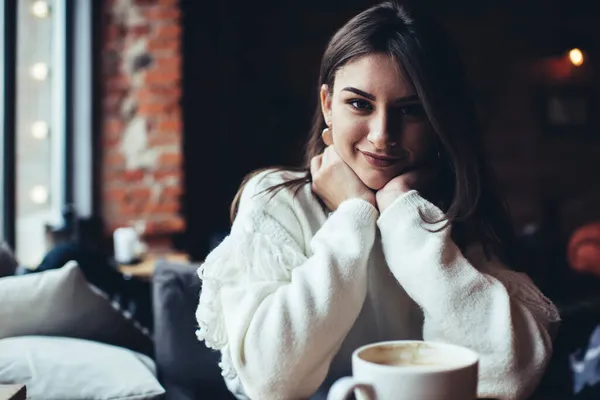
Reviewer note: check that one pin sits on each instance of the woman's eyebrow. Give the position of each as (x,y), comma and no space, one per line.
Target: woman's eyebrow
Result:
(359,92)
(407,99)
(413,98)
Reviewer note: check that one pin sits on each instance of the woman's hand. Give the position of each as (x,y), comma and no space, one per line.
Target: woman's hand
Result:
(417,179)
(334,181)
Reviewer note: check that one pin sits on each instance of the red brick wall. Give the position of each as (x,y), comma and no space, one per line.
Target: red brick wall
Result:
(142,177)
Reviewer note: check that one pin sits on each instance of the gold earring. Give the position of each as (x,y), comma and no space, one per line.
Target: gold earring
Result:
(326,136)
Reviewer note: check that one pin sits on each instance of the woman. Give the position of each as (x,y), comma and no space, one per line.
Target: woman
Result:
(391,231)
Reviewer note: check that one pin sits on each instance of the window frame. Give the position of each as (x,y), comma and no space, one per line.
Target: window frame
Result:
(8,75)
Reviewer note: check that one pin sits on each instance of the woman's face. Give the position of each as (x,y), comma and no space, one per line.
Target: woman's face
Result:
(379,127)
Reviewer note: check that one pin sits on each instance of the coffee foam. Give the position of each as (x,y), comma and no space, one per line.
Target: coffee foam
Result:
(410,355)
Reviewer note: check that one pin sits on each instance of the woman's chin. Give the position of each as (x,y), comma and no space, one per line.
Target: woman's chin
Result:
(374,182)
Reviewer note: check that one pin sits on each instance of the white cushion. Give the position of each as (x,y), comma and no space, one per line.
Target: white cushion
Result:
(55,368)
(61,303)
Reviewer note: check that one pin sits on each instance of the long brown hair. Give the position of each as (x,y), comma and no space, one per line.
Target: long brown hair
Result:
(466,186)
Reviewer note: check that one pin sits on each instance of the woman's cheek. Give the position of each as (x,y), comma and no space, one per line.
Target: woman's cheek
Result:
(419,141)
(349,130)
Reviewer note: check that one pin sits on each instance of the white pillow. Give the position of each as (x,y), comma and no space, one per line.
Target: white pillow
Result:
(60,302)
(73,369)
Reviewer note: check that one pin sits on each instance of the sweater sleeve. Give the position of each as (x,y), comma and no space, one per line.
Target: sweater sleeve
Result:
(496,312)
(278,316)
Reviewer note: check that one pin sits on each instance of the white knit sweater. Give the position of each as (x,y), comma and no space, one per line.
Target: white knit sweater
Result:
(292,291)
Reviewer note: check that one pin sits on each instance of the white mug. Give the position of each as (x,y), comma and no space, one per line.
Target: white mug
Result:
(127,244)
(410,370)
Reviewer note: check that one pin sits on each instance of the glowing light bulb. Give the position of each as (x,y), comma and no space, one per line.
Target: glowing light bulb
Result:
(40,9)
(576,57)
(39,194)
(40,71)
(39,130)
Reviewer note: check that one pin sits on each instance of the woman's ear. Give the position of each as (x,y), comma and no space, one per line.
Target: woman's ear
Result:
(326,103)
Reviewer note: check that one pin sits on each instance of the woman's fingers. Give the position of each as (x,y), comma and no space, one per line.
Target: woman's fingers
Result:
(333,181)
(326,155)
(316,162)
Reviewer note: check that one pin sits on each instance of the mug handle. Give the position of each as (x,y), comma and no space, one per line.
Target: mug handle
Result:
(344,387)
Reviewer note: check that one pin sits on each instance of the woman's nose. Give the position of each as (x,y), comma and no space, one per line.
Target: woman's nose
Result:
(379,135)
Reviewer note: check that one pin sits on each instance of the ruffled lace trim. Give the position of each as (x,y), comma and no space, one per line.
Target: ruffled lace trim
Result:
(227,370)
(244,256)
(520,287)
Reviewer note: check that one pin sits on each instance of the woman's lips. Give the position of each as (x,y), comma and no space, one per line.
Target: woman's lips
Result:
(380,161)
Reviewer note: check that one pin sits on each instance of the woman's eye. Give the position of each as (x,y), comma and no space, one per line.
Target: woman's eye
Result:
(413,111)
(360,104)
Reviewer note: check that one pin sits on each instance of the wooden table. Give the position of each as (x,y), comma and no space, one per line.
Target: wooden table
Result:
(13,392)
(145,268)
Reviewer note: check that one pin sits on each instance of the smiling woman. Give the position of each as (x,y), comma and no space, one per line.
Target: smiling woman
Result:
(394,184)
(377,121)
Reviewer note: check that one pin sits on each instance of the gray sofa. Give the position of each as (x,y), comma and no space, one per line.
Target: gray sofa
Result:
(186,368)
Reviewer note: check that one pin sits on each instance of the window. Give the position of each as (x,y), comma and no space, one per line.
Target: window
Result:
(46,84)
(41,129)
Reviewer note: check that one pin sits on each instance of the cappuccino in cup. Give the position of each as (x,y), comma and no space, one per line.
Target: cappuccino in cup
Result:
(410,370)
